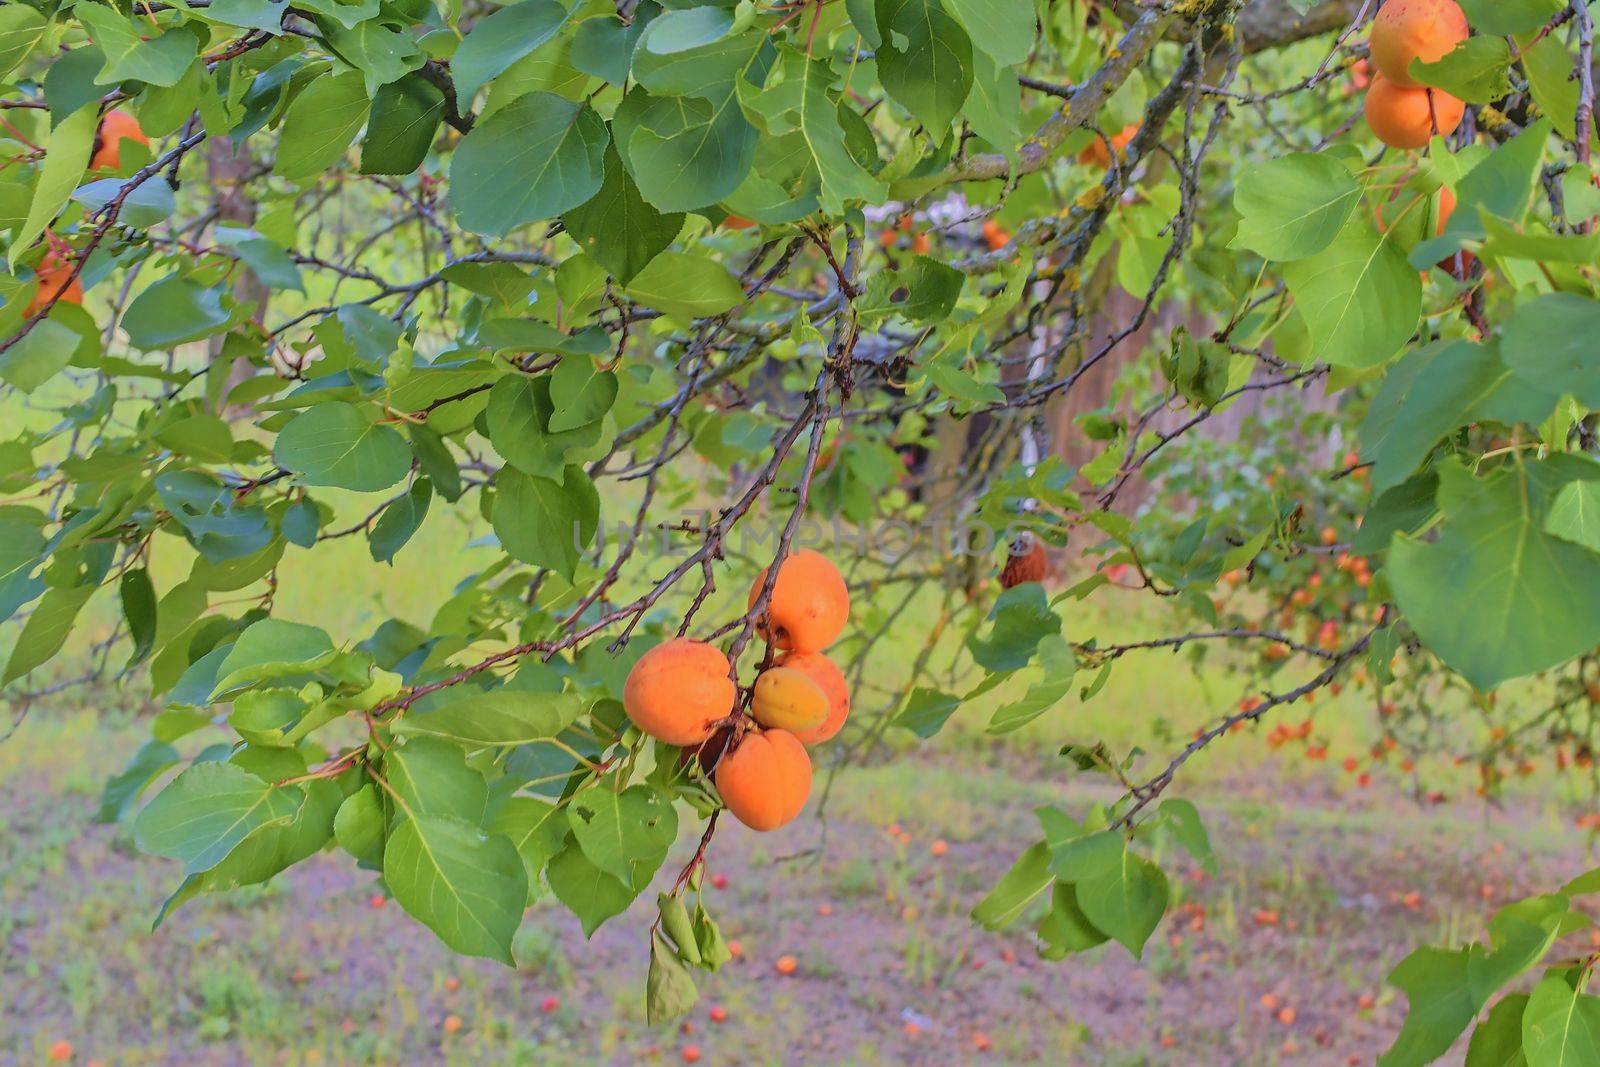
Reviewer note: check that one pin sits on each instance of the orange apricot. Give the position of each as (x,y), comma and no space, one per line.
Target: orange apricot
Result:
(787,699)
(809,605)
(116,126)
(786,965)
(55,276)
(765,781)
(1404,30)
(822,670)
(1406,118)
(677,691)
(1098,154)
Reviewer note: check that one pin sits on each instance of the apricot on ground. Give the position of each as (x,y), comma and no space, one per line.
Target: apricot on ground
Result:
(1407,118)
(765,781)
(677,691)
(55,276)
(787,699)
(115,127)
(1404,30)
(822,670)
(810,603)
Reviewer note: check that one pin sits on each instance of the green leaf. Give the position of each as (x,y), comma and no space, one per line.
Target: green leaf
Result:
(533,159)
(1120,892)
(625,834)
(204,813)
(1454,384)
(1560,1026)
(1547,343)
(685,285)
(684,153)
(320,125)
(399,521)
(926,711)
(145,205)
(1002,28)
(136,55)
(432,776)
(501,718)
(1060,666)
(1506,17)
(500,40)
(21,30)
(1022,618)
(46,630)
(925,62)
(139,611)
(273,648)
(1531,594)
(335,444)
(152,760)
(465,886)
(1575,515)
(534,826)
(588,892)
(1476,70)
(358,826)
(801,102)
(543,521)
(580,393)
(405,120)
(669,987)
(924,290)
(618,227)
(1497,1040)
(41,354)
(67,150)
(1065,928)
(519,415)
(1184,819)
(172,312)
(1359,298)
(1500,186)
(1294,206)
(1026,879)
(603,45)
(1441,1004)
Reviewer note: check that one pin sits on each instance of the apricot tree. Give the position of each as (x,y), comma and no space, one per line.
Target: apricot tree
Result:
(710,272)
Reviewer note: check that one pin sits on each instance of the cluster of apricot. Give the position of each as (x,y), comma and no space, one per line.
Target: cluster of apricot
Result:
(682,692)
(1401,111)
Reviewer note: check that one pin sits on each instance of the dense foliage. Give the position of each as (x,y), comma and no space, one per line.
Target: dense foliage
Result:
(801,267)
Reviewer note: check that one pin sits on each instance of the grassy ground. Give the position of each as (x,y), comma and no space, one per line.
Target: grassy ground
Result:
(1323,887)
(310,970)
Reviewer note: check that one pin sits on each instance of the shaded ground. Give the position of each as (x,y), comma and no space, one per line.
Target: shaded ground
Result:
(308,970)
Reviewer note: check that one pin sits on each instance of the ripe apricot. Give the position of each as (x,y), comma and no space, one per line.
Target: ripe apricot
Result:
(809,604)
(1404,30)
(677,690)
(116,126)
(788,699)
(60,1050)
(1026,561)
(1099,155)
(1406,118)
(452,1024)
(821,670)
(765,781)
(55,276)
(787,965)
